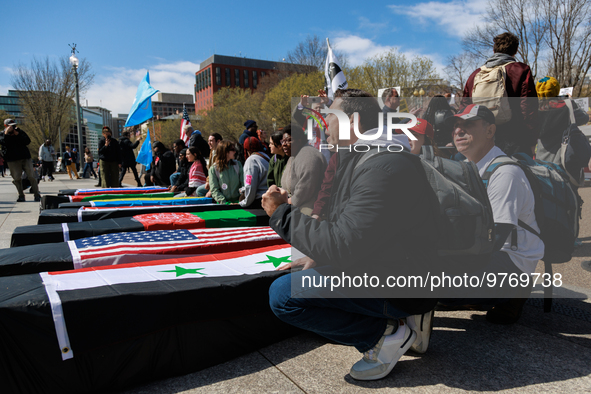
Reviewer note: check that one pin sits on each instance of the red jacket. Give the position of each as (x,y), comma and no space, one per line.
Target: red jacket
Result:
(524,113)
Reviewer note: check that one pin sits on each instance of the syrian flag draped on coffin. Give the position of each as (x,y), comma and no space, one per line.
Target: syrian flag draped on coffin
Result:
(125,325)
(335,77)
(162,273)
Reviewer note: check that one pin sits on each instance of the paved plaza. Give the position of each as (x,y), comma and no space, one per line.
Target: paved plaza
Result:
(543,352)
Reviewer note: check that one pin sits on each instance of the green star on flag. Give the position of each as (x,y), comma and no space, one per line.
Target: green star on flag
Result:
(276,261)
(180,271)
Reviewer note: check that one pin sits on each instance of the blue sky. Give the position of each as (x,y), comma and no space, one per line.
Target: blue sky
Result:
(123,39)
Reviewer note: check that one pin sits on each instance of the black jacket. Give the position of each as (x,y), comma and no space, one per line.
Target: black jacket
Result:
(127,155)
(379,218)
(163,165)
(110,153)
(14,147)
(182,182)
(199,142)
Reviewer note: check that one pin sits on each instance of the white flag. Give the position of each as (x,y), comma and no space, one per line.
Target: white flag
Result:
(335,77)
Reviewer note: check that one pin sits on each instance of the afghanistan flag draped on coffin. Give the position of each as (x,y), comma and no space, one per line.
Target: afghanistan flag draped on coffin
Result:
(86,214)
(120,248)
(110,327)
(49,233)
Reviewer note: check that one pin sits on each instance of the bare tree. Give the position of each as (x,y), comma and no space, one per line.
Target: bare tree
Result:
(569,33)
(459,67)
(46,91)
(312,52)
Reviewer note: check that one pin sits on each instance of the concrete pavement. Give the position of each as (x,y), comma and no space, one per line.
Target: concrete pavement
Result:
(541,353)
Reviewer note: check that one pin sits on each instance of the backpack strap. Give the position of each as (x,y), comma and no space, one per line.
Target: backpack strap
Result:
(492,167)
(571,111)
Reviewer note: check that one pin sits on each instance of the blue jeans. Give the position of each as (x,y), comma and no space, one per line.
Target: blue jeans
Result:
(201,191)
(358,322)
(174,177)
(88,166)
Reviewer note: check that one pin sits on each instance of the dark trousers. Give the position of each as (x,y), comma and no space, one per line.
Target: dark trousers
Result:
(47,169)
(133,169)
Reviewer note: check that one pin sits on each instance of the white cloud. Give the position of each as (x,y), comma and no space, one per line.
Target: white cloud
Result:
(455,17)
(115,88)
(358,49)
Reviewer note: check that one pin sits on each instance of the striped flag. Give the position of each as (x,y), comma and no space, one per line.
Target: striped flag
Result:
(335,77)
(152,201)
(162,276)
(121,190)
(185,122)
(105,249)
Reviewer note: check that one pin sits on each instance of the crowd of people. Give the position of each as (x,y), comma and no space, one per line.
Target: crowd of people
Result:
(332,203)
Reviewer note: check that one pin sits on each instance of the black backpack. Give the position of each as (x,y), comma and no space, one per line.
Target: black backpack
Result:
(465,221)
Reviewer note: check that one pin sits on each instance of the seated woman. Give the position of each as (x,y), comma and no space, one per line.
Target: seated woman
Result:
(256,167)
(278,160)
(196,172)
(225,175)
(304,171)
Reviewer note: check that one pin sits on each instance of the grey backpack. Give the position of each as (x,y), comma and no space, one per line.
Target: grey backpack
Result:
(465,221)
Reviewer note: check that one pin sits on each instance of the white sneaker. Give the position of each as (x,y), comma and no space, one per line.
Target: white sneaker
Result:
(43,179)
(423,326)
(381,359)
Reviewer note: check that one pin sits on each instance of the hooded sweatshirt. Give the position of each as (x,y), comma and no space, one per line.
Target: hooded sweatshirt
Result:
(255,177)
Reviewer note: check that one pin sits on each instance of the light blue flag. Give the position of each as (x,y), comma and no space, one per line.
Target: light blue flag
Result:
(144,156)
(141,110)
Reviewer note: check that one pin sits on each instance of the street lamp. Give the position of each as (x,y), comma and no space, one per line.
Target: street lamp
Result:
(74,61)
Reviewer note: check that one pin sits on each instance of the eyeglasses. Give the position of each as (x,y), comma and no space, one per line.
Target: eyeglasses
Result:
(286,141)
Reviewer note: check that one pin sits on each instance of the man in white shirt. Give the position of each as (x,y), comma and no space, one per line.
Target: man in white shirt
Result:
(517,249)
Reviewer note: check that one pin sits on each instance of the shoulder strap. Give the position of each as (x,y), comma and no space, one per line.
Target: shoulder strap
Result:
(495,165)
(366,156)
(571,111)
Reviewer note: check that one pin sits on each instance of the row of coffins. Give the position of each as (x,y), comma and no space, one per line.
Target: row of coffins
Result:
(176,291)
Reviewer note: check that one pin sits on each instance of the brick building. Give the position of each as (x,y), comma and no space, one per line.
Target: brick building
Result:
(220,71)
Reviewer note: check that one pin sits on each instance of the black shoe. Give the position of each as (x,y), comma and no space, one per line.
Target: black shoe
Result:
(21,199)
(506,313)
(97,185)
(37,198)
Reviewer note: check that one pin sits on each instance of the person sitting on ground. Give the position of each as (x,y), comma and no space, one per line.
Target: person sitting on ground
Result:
(196,171)
(379,202)
(212,141)
(226,176)
(196,140)
(177,147)
(163,165)
(182,181)
(255,171)
(517,250)
(278,160)
(304,170)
